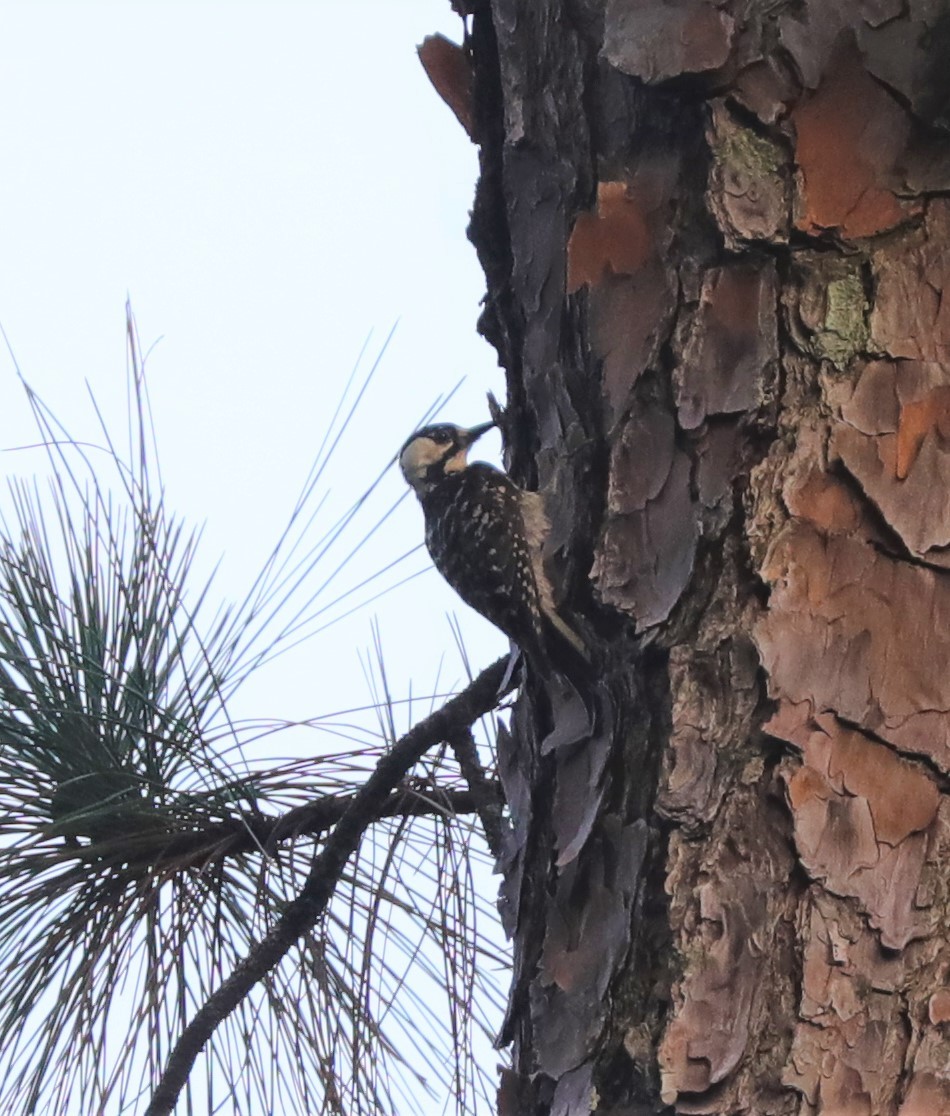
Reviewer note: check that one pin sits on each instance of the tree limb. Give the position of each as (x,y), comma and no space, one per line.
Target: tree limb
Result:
(302,913)
(212,843)
(487,795)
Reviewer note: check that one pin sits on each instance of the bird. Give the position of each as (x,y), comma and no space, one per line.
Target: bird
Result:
(486,537)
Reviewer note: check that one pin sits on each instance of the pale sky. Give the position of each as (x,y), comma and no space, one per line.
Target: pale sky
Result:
(268,183)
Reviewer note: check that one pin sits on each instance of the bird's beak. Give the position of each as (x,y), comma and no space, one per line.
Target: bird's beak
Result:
(474,433)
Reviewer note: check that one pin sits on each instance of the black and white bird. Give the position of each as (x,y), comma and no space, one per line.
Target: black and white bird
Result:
(486,537)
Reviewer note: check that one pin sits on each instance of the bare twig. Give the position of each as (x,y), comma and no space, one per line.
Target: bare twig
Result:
(302,913)
(487,794)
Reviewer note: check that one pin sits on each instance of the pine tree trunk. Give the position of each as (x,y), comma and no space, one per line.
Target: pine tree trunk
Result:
(717,246)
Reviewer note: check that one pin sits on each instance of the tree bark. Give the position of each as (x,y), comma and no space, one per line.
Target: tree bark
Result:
(716,238)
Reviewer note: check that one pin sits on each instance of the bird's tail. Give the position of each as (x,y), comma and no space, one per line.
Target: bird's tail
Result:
(570,657)
(567,633)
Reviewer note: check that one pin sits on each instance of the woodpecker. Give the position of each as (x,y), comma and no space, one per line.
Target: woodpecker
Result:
(486,536)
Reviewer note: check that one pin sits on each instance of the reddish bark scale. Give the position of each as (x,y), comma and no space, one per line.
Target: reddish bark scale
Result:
(448,68)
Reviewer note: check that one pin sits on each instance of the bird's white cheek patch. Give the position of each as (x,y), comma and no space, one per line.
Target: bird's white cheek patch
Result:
(417,457)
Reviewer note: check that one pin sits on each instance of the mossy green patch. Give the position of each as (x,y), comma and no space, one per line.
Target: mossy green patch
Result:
(844,330)
(741,148)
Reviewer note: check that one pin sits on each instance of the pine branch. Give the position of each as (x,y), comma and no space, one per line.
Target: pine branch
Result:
(486,794)
(302,914)
(215,842)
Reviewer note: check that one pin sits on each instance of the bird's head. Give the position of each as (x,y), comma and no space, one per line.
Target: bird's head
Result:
(432,452)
